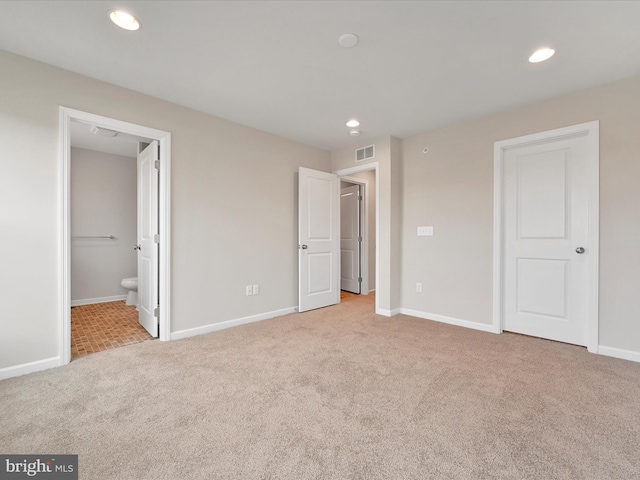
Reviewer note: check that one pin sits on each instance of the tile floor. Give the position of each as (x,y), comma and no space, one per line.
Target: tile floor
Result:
(104,326)
(344,295)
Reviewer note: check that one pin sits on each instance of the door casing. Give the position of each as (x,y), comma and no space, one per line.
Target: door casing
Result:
(364,231)
(66,115)
(591,131)
(344,175)
(346,200)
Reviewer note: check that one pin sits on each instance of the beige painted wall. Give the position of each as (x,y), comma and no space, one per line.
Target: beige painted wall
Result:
(235,196)
(234,201)
(451,188)
(103,202)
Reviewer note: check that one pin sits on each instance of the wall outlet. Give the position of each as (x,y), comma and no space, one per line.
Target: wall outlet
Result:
(425,231)
(249,290)
(256,289)
(419,287)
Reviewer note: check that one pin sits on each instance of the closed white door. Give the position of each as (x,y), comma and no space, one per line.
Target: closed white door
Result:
(318,239)
(350,239)
(546,239)
(147,231)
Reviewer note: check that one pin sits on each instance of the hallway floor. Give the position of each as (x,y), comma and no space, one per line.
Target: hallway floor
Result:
(104,326)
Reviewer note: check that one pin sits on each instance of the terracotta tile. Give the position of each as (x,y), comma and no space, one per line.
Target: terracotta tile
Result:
(104,326)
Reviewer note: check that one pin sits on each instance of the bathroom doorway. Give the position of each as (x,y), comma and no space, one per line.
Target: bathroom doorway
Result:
(105,198)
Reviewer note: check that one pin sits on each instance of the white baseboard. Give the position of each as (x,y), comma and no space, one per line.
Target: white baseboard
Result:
(30,367)
(91,301)
(191,332)
(450,320)
(619,353)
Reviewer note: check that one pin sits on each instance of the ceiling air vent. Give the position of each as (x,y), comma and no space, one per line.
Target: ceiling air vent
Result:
(365,153)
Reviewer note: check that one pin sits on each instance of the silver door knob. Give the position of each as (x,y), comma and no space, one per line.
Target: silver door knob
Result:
(580,250)
(137,247)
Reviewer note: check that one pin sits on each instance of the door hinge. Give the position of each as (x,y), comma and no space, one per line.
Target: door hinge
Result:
(156,238)
(360,279)
(157,164)
(156,311)
(359,197)
(359,238)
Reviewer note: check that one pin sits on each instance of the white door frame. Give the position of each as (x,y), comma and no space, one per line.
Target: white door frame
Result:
(364,232)
(592,164)
(344,174)
(66,115)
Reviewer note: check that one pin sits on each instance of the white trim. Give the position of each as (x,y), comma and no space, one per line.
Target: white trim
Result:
(591,131)
(24,368)
(364,252)
(364,168)
(483,327)
(619,353)
(213,327)
(66,115)
(93,301)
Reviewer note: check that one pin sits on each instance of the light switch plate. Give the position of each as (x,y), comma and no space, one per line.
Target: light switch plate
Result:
(425,231)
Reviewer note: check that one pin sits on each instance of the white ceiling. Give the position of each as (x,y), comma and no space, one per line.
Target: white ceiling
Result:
(277,66)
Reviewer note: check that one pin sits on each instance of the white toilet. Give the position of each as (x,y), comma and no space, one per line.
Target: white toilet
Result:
(131,284)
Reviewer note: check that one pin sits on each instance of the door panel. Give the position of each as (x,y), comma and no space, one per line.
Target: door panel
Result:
(542,287)
(319,272)
(318,239)
(542,194)
(546,213)
(350,224)
(147,229)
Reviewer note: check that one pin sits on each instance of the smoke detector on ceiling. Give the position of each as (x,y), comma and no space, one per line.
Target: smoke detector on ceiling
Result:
(348,40)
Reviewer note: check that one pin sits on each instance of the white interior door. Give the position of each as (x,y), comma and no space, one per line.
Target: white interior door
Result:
(147,231)
(350,239)
(318,239)
(546,220)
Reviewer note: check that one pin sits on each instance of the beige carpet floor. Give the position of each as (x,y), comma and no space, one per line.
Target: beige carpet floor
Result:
(337,393)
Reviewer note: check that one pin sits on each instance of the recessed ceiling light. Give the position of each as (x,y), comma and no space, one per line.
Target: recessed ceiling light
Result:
(353,123)
(354,133)
(541,55)
(348,40)
(124,20)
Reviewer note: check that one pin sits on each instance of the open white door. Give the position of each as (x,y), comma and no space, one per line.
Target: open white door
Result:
(350,239)
(147,235)
(318,239)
